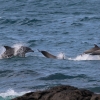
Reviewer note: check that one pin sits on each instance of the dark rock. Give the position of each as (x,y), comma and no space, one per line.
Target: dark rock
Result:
(64,92)
(95,97)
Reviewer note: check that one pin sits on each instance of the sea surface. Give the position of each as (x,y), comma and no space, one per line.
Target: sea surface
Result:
(61,27)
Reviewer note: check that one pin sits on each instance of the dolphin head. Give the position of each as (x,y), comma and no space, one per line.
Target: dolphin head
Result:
(23,50)
(27,49)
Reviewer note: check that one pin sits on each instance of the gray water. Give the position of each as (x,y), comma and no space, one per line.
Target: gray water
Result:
(57,26)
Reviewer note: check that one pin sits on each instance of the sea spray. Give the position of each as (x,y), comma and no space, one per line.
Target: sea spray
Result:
(10,93)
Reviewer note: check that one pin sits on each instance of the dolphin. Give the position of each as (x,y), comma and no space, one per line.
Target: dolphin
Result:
(92,49)
(97,52)
(47,54)
(8,53)
(23,50)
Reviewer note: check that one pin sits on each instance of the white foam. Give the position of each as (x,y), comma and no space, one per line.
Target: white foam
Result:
(11,93)
(61,56)
(86,57)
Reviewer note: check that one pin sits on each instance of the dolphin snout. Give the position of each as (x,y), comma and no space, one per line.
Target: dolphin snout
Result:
(31,51)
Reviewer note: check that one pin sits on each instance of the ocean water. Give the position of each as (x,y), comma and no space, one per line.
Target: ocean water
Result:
(63,28)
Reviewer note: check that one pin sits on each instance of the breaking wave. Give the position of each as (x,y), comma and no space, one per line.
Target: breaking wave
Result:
(10,94)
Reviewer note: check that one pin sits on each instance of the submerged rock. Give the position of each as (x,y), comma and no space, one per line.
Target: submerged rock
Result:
(64,92)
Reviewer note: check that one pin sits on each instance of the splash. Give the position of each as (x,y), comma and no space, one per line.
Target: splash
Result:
(61,56)
(10,93)
(86,57)
(2,50)
(17,47)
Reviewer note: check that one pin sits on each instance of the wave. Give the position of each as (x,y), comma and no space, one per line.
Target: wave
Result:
(60,76)
(10,94)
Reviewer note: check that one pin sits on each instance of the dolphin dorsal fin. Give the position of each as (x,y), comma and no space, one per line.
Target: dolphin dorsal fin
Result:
(96,46)
(7,47)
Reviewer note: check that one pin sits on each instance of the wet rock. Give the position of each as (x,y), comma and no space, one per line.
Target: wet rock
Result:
(64,92)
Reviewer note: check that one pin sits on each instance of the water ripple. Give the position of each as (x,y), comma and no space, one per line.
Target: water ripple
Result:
(8,21)
(28,21)
(25,21)
(61,76)
(96,18)
(5,73)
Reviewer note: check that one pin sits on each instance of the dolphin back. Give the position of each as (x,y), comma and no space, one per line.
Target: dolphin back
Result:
(92,49)
(48,55)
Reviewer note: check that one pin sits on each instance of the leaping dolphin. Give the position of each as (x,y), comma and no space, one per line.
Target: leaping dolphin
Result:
(47,54)
(92,49)
(8,53)
(23,50)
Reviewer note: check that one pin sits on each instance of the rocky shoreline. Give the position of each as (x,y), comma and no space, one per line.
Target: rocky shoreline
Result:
(62,92)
